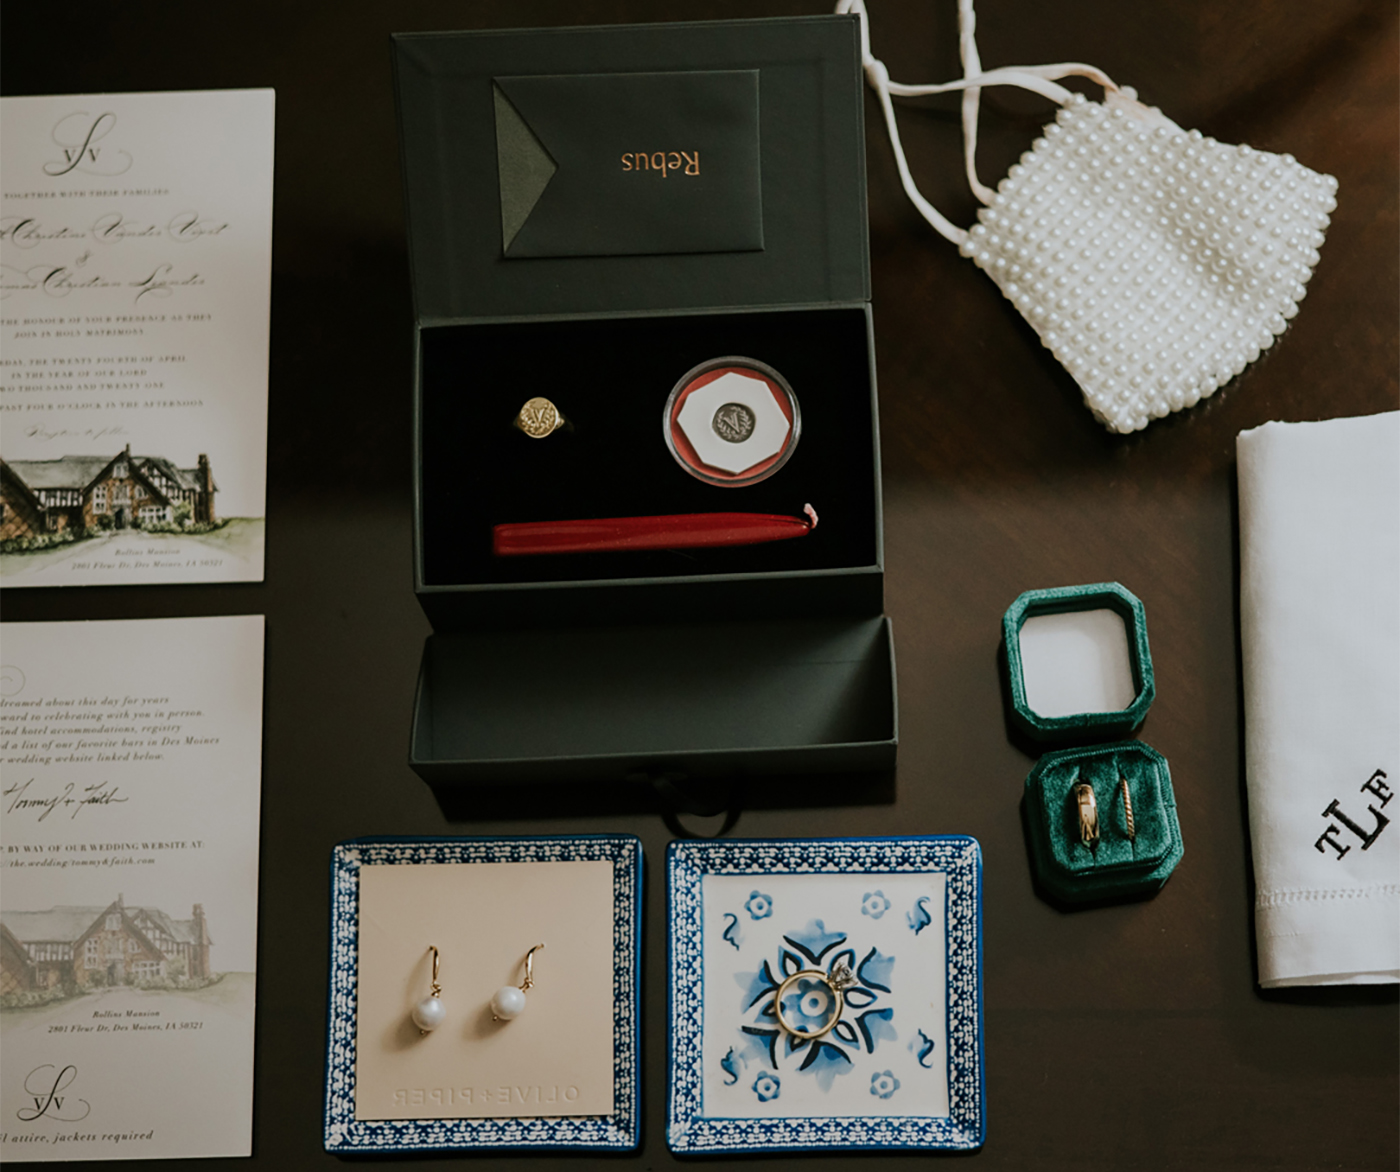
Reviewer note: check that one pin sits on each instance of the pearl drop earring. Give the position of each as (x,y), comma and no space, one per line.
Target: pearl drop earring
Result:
(429,1013)
(509,1001)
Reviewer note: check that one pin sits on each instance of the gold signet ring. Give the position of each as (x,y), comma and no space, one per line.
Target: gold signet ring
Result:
(539,418)
(1088,808)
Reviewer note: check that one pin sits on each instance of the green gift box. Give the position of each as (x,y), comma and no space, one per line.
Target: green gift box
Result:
(1079,670)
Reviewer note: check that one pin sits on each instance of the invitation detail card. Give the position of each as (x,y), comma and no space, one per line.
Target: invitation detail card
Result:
(130,770)
(135,270)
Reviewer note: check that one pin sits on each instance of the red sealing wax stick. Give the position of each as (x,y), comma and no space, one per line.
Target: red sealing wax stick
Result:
(682,531)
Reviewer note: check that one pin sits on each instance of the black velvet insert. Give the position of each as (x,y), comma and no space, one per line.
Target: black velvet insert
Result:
(610,378)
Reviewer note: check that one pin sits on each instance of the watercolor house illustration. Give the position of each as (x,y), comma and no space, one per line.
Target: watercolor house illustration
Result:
(87,492)
(94,947)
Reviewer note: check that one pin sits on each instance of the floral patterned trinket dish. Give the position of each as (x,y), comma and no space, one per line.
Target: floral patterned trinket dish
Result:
(873,945)
(352,1129)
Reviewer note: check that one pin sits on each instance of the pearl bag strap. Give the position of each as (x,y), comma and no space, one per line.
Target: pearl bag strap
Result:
(972,98)
(1039,79)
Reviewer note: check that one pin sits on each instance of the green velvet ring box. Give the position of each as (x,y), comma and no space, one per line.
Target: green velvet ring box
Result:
(1079,673)
(1117,865)
(1111,698)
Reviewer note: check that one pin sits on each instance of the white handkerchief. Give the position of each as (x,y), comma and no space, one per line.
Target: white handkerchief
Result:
(1320,627)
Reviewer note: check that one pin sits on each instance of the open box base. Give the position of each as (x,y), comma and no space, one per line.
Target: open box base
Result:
(693,703)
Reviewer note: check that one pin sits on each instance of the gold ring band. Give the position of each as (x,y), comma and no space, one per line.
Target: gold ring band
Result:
(539,418)
(1088,811)
(838,980)
(1128,809)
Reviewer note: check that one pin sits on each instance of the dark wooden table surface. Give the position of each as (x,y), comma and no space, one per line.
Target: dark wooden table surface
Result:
(1128,1037)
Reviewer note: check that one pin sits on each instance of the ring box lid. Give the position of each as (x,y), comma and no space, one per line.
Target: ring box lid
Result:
(811,226)
(1084,677)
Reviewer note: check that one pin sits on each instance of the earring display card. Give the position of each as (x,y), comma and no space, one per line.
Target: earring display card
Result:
(560,1075)
(902,1065)
(483,918)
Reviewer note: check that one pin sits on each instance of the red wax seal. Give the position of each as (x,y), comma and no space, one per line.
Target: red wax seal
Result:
(732,421)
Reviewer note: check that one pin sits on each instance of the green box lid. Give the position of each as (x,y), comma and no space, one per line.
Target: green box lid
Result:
(1075,727)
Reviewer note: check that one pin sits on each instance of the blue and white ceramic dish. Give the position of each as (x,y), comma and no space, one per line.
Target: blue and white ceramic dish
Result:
(618,1132)
(901,1068)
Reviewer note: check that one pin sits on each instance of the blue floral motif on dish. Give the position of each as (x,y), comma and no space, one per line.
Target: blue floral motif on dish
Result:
(814,941)
(883,1084)
(759,906)
(875,1027)
(874,904)
(876,970)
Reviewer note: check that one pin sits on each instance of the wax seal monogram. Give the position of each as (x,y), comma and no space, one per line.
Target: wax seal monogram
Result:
(539,418)
(733,422)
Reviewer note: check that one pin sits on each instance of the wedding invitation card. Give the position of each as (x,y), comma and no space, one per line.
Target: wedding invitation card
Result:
(135,270)
(129,797)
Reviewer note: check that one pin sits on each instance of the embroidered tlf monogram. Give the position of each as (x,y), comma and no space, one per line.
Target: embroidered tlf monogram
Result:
(1376,786)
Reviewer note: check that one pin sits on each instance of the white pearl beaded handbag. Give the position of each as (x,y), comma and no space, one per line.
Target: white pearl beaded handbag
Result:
(1154,263)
